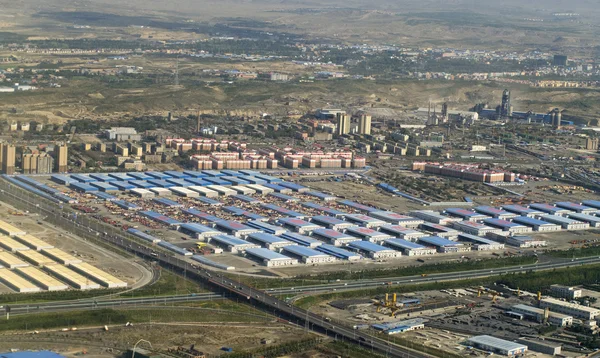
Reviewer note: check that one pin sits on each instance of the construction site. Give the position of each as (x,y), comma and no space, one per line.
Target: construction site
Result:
(447,319)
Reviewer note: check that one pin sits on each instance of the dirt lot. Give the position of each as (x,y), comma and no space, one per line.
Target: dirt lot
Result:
(208,338)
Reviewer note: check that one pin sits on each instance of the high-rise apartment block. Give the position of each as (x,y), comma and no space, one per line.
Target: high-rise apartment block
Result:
(61,158)
(8,159)
(343,124)
(364,124)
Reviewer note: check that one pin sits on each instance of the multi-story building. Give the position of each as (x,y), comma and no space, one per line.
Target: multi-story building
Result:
(8,159)
(561,291)
(572,309)
(364,124)
(61,153)
(541,315)
(343,124)
(37,163)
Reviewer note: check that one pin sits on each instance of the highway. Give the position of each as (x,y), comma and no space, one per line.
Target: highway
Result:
(91,229)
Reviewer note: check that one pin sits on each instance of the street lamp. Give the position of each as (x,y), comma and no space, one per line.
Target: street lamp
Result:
(136,344)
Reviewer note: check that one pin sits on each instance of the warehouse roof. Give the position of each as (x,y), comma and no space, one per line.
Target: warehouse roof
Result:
(197,181)
(246,199)
(405,244)
(358,206)
(281,210)
(399,230)
(300,239)
(304,251)
(592,203)
(502,223)
(497,343)
(297,222)
(230,240)
(158,175)
(209,201)
(366,232)
(321,195)
(201,215)
(142,184)
(232,225)
(585,217)
(437,227)
(176,174)
(213,173)
(277,188)
(126,205)
(120,176)
(104,185)
(473,224)
(102,177)
(84,178)
(160,217)
(491,210)
(547,208)
(368,246)
(266,254)
(464,213)
(267,238)
(561,219)
(476,239)
(198,228)
(391,215)
(293,186)
(330,234)
(519,209)
(530,221)
(194,174)
(123,185)
(179,182)
(363,219)
(160,183)
(437,241)
(336,251)
(167,202)
(328,219)
(573,206)
(265,226)
(283,197)
(139,176)
(83,187)
(104,196)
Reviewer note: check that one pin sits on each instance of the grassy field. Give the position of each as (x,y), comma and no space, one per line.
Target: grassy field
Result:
(299,281)
(168,284)
(118,316)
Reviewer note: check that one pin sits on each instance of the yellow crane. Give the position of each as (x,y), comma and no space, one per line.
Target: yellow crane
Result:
(388,303)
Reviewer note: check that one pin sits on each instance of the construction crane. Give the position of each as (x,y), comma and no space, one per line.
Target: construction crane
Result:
(491,292)
(389,304)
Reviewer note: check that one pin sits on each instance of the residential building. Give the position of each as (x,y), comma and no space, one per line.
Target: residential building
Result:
(61,153)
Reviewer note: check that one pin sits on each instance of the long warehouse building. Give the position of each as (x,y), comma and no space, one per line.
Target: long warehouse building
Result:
(270,258)
(308,255)
(97,275)
(536,224)
(16,282)
(42,279)
(409,248)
